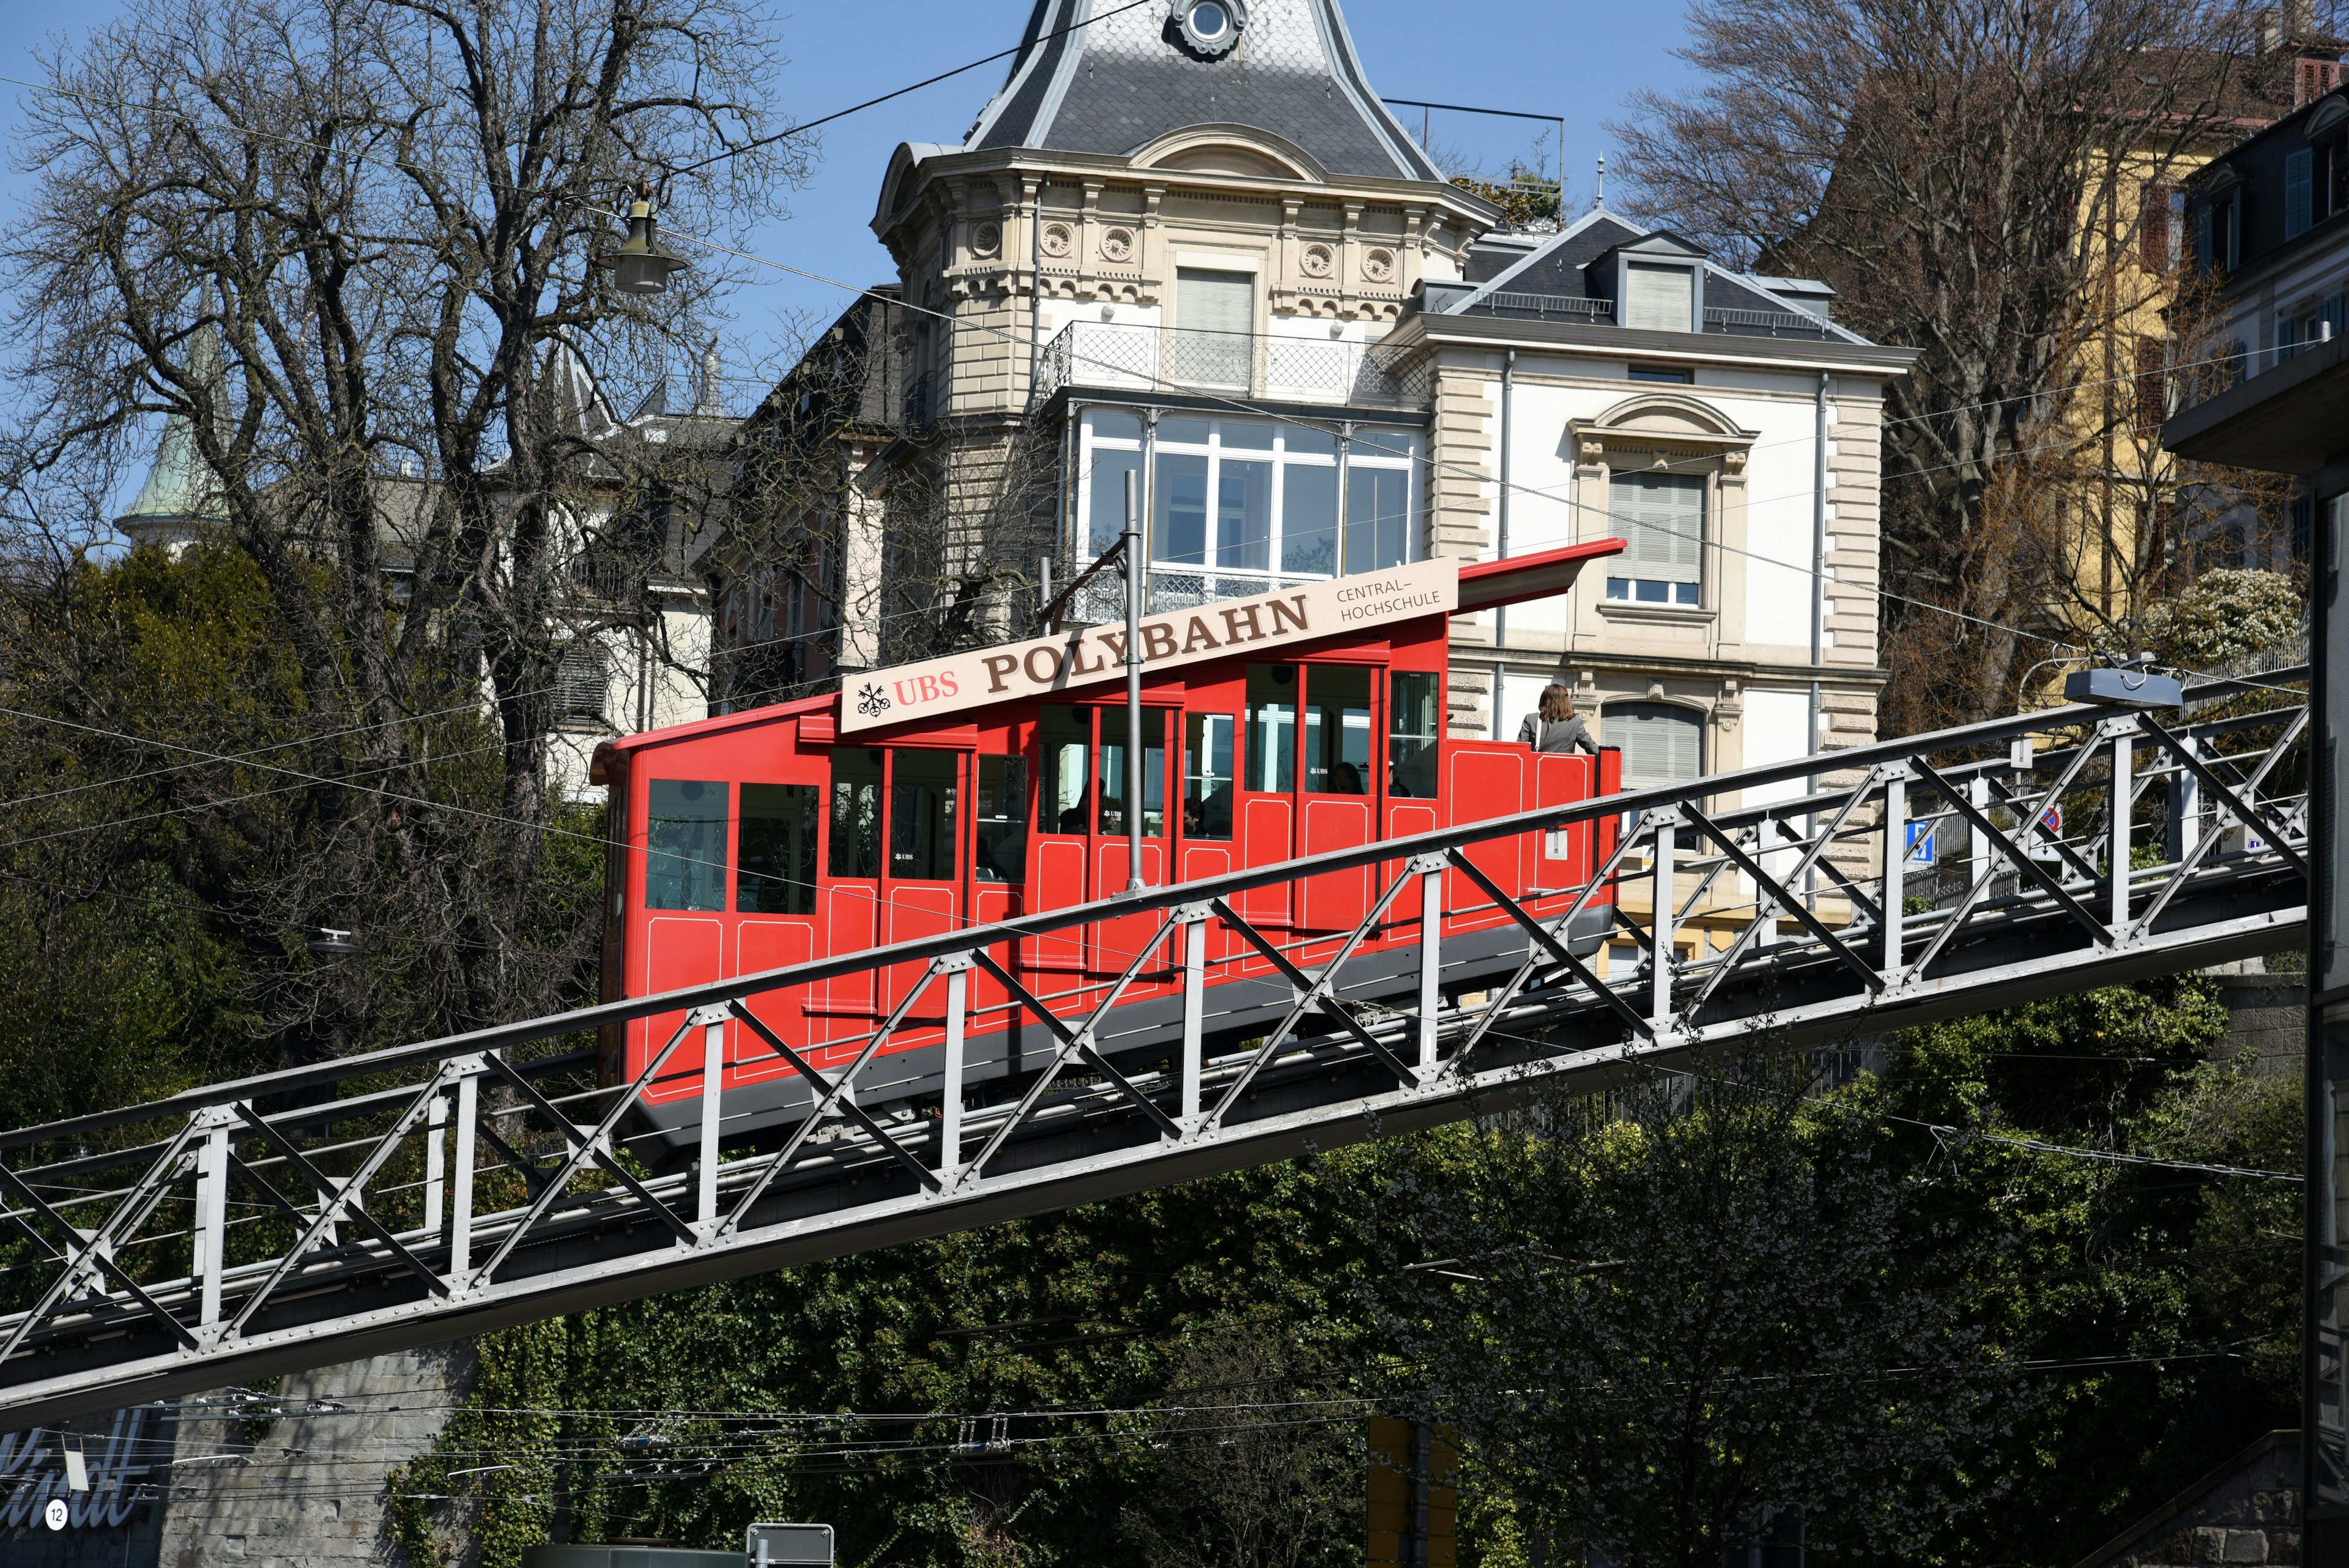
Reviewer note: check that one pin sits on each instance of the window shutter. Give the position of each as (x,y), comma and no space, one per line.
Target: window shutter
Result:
(1214,301)
(1661,519)
(2234,256)
(2295,194)
(1214,312)
(2202,237)
(1662,298)
(581,683)
(2153,229)
(1660,745)
(2152,379)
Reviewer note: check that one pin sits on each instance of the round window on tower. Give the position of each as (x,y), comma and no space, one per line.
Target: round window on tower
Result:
(1211,27)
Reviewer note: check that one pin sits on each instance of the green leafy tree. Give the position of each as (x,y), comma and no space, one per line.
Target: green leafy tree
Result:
(1258,1466)
(846,1384)
(1659,1317)
(2153,1305)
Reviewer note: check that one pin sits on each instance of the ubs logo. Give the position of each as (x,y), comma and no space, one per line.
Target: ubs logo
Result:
(871,701)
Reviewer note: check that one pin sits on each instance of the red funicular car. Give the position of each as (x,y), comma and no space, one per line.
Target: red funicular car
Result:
(971,789)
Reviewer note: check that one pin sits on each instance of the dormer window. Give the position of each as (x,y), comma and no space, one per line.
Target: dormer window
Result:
(1659,295)
(1657,282)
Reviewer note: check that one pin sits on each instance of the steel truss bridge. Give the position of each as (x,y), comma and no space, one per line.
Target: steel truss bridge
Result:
(460,1184)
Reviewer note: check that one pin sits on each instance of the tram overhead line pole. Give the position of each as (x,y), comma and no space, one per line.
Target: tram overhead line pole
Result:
(1132,540)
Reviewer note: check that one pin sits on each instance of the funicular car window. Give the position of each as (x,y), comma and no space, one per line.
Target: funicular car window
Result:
(1153,772)
(684,845)
(1064,738)
(1002,825)
(1272,728)
(774,855)
(922,814)
(855,812)
(1207,777)
(1337,729)
(1415,726)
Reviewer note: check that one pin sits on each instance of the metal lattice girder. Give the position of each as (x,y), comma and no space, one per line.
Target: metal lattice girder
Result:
(464,1184)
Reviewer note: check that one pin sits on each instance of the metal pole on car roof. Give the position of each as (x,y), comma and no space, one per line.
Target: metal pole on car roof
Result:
(1132,542)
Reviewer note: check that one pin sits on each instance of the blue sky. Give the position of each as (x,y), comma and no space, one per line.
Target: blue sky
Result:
(1579,59)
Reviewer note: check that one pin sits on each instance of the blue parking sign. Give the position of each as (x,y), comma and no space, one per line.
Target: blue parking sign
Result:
(1920,844)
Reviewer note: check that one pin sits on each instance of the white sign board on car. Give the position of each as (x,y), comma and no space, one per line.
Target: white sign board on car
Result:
(1048,666)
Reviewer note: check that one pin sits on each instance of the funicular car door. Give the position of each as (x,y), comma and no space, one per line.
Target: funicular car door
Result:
(776,839)
(1000,809)
(1266,803)
(1335,802)
(684,900)
(1414,802)
(1111,854)
(851,885)
(1061,841)
(921,876)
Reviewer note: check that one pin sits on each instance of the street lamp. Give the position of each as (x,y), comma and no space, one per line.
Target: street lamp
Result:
(640,266)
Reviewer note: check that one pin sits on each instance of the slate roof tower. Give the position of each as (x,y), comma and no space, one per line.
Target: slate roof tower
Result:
(182,498)
(1117,85)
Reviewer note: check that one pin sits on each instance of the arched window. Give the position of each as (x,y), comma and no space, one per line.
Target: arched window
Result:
(1661,744)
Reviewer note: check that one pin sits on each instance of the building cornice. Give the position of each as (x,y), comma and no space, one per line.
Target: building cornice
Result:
(908,185)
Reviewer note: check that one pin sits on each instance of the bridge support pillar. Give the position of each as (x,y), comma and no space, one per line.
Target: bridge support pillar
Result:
(1896,873)
(1193,917)
(712,1020)
(1666,920)
(1430,956)
(957,971)
(2117,850)
(460,1193)
(211,1217)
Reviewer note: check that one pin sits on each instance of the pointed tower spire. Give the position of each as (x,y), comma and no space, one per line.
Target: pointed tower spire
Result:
(181,497)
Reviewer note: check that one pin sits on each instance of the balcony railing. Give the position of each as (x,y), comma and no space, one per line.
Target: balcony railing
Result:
(1102,601)
(1765,323)
(1560,307)
(1136,359)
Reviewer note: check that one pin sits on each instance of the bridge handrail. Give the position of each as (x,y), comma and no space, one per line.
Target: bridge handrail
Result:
(500,1036)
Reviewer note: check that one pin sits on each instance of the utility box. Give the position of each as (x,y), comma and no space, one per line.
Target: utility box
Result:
(2122,689)
(627,1557)
(788,1546)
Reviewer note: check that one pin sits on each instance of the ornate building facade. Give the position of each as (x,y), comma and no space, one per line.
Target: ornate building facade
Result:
(1188,244)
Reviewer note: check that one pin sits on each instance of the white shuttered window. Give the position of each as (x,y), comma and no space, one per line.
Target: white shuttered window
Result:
(1214,312)
(1661,298)
(1661,744)
(1661,517)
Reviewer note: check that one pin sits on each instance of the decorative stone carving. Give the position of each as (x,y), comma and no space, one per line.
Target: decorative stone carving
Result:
(1594,451)
(1732,462)
(1056,239)
(1379,266)
(987,239)
(1117,246)
(1316,261)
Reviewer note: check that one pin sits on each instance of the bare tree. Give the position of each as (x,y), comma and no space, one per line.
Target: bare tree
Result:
(1964,174)
(383,213)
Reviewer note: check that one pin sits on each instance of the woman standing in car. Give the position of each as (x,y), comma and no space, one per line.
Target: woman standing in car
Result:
(1555,730)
